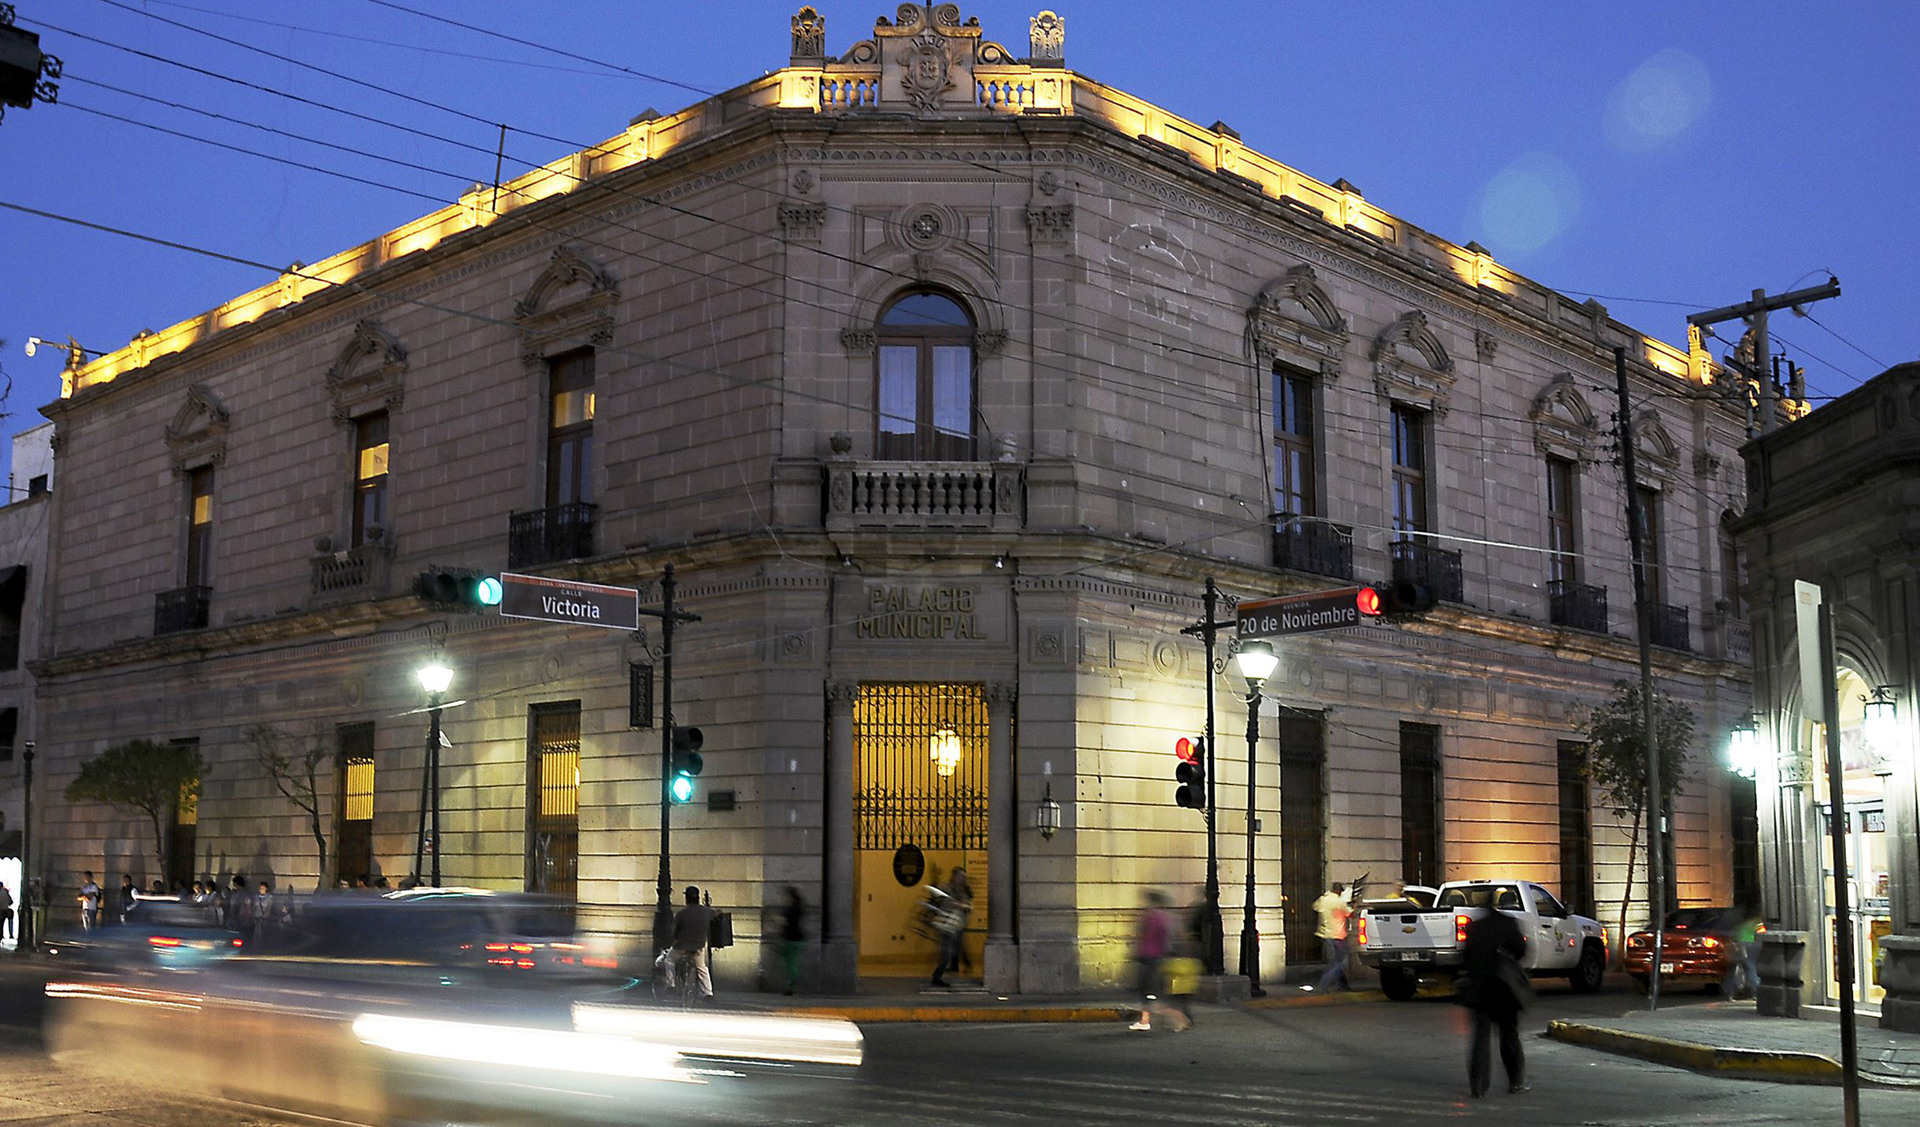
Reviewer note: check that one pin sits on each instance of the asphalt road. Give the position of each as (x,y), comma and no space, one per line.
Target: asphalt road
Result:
(1372,1062)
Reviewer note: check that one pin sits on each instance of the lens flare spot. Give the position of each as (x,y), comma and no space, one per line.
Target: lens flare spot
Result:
(1528,203)
(1658,101)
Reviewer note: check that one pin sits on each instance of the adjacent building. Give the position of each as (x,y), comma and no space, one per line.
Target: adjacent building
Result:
(1833,500)
(23,577)
(944,377)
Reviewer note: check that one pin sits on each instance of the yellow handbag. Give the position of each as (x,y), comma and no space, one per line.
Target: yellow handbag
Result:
(1183,975)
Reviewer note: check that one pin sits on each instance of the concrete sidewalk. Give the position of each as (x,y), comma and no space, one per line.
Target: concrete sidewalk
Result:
(904,1002)
(1730,1039)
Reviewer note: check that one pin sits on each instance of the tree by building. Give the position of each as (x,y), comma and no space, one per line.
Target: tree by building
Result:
(1617,764)
(142,776)
(295,762)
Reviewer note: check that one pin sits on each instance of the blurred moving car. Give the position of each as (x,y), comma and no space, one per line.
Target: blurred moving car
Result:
(162,933)
(1697,945)
(434,1005)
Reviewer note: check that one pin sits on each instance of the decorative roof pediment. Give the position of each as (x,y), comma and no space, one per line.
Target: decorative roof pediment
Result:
(1410,364)
(369,374)
(927,56)
(569,305)
(1293,319)
(1563,422)
(197,436)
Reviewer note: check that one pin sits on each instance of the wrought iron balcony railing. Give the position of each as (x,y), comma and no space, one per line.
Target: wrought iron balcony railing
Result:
(1670,627)
(183,608)
(357,571)
(1314,547)
(984,495)
(1582,606)
(564,532)
(1436,569)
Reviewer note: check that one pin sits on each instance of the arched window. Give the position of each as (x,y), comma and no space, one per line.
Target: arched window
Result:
(923,401)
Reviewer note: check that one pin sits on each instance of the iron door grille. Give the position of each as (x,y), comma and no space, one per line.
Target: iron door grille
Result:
(1303,858)
(920,751)
(554,806)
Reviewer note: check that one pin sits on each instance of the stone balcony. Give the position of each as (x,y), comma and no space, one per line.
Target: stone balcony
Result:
(870,496)
(353,573)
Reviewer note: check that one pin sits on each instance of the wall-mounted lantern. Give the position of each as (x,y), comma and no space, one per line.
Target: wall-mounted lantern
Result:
(1047,816)
(1743,748)
(945,750)
(1880,728)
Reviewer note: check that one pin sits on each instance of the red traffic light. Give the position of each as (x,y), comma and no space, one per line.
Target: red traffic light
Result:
(1368,600)
(1186,749)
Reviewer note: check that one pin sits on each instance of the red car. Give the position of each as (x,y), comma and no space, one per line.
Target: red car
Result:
(1697,945)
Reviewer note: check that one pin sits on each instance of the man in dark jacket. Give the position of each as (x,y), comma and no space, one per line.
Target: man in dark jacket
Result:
(690,932)
(1495,988)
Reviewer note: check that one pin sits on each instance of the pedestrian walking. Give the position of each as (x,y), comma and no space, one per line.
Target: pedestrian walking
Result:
(89,902)
(793,934)
(1743,976)
(1152,948)
(950,906)
(1495,988)
(6,913)
(124,900)
(1333,908)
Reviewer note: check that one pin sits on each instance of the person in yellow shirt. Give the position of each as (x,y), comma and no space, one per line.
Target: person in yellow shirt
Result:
(1333,908)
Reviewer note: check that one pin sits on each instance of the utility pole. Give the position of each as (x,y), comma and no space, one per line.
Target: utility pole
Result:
(1754,313)
(1643,622)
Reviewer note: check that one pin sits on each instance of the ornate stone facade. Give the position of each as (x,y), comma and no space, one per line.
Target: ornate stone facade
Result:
(1010,513)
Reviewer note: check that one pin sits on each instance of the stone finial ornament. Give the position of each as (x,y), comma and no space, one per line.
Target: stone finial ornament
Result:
(1047,38)
(809,34)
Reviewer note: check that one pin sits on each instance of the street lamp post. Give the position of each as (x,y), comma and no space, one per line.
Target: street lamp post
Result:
(1256,660)
(24,937)
(436,678)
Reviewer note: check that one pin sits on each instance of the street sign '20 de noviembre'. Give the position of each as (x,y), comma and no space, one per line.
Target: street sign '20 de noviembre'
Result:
(565,601)
(1306,614)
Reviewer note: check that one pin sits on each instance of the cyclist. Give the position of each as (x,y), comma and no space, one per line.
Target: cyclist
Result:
(690,930)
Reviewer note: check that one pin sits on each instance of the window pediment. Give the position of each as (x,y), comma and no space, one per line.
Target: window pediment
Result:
(1411,365)
(1294,320)
(569,305)
(369,374)
(1563,423)
(1659,453)
(197,436)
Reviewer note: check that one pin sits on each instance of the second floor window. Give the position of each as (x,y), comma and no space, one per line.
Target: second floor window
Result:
(1563,560)
(1731,579)
(1650,543)
(200,527)
(1292,442)
(570,430)
(1409,471)
(924,394)
(369,476)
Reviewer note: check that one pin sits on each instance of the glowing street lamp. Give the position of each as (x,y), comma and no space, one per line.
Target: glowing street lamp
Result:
(1257,661)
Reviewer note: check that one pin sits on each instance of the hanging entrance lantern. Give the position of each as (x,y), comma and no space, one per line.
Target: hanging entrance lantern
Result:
(945,750)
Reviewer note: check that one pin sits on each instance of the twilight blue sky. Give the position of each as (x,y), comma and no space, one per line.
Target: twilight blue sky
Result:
(1650,153)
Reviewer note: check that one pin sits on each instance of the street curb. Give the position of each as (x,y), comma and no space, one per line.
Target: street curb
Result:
(962,1014)
(1291,1000)
(1712,1060)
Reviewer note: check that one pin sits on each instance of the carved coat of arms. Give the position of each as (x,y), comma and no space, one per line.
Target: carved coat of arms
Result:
(928,70)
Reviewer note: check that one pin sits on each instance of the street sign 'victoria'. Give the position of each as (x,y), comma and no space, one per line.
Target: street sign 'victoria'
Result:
(565,601)
(1305,614)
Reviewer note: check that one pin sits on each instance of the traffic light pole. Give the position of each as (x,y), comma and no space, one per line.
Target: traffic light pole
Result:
(663,910)
(1212,940)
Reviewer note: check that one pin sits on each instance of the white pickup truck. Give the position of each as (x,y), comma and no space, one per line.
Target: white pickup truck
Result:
(1406,942)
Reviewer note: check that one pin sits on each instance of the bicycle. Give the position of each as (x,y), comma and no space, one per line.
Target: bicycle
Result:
(685,988)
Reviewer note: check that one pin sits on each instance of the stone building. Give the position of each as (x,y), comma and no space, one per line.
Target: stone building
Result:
(944,377)
(23,576)
(1834,500)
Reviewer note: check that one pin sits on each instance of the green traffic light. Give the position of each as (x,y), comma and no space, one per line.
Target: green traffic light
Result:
(681,788)
(487,591)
